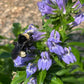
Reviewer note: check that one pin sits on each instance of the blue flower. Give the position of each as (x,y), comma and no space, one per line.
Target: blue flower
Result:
(61,4)
(44,8)
(45,62)
(21,61)
(18,62)
(35,33)
(53,43)
(77,5)
(77,20)
(31,28)
(68,56)
(55,37)
(31,69)
(32,81)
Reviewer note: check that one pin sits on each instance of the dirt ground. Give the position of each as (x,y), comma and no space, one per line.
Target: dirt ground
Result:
(23,11)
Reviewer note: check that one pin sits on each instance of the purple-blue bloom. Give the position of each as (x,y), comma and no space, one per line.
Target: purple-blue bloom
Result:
(31,69)
(68,56)
(77,20)
(77,5)
(55,37)
(18,62)
(32,81)
(31,28)
(53,43)
(44,8)
(45,62)
(36,34)
(21,61)
(61,4)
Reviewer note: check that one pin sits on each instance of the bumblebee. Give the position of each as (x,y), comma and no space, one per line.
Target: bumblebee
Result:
(22,46)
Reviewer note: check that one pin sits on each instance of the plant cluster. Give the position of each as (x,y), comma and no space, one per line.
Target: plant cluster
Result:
(49,55)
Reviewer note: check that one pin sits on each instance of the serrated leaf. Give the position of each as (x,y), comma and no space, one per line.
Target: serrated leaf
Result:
(41,77)
(56,80)
(20,77)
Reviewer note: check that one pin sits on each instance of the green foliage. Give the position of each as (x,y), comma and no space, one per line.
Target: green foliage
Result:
(41,77)
(4,79)
(19,77)
(79,44)
(56,80)
(82,1)
(59,72)
(16,29)
(2,37)
(62,72)
(58,62)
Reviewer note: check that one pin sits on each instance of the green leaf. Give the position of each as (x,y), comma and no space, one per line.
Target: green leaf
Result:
(76,53)
(58,62)
(70,1)
(5,55)
(76,70)
(16,29)
(26,80)
(81,79)
(3,37)
(70,80)
(76,44)
(77,29)
(62,72)
(7,48)
(20,77)
(41,77)
(82,1)
(4,78)
(56,80)
(23,29)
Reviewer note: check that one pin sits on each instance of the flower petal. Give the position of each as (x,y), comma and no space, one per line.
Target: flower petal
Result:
(44,62)
(49,63)
(39,64)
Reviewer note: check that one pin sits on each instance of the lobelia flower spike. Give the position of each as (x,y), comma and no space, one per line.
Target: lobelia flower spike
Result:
(31,69)
(32,81)
(44,8)
(53,43)
(77,5)
(45,62)
(68,56)
(36,34)
(21,61)
(61,4)
(77,20)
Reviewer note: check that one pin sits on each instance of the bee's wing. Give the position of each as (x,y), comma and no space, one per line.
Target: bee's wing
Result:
(15,51)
